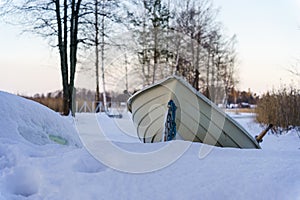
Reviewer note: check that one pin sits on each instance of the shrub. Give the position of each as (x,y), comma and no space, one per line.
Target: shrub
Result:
(280,108)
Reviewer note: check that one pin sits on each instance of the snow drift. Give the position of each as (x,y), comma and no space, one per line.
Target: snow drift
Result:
(33,166)
(26,121)
(27,130)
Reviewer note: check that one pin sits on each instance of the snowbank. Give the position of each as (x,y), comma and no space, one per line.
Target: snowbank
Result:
(32,166)
(26,121)
(26,129)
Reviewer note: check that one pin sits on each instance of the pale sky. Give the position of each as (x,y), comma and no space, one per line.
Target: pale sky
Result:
(268,34)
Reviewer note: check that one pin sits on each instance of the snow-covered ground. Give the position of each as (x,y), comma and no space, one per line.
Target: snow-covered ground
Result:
(103,159)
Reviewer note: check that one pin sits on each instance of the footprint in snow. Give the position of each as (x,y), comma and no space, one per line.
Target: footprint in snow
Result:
(23,181)
(88,165)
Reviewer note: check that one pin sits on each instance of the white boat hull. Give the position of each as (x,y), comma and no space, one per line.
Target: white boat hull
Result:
(197,118)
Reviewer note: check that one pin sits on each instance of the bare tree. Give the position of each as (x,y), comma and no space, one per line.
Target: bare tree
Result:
(195,20)
(97,98)
(149,19)
(100,17)
(170,36)
(58,20)
(204,55)
(225,64)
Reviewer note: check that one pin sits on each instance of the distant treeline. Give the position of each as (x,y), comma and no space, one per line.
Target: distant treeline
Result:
(237,97)
(280,108)
(54,100)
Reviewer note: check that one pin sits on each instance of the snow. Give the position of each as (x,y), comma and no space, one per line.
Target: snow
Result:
(104,159)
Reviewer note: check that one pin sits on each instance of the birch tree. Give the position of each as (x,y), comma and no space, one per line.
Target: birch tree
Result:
(149,20)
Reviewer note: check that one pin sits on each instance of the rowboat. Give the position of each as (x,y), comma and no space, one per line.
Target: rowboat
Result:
(173,109)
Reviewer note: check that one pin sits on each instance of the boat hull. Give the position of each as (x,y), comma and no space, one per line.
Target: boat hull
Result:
(197,118)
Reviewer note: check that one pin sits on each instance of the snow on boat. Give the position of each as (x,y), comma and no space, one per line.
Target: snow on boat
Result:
(173,109)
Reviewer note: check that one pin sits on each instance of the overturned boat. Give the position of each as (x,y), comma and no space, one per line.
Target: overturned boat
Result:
(173,109)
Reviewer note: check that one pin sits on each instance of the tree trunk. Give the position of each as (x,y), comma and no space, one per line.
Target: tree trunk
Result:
(212,84)
(73,48)
(62,41)
(97,55)
(102,56)
(155,54)
(207,73)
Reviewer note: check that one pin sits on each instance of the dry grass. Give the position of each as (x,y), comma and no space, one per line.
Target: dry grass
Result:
(281,108)
(241,110)
(55,104)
